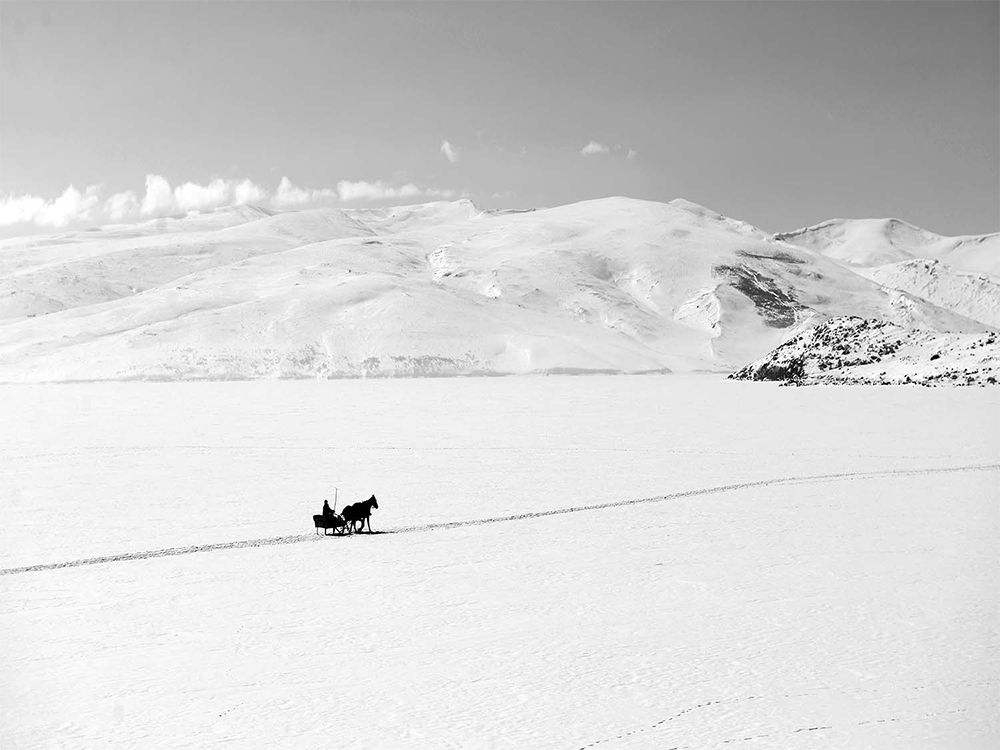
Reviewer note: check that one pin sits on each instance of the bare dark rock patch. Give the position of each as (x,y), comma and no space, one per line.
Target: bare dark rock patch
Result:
(777,307)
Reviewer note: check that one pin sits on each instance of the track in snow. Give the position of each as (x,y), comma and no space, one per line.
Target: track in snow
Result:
(295,538)
(664,723)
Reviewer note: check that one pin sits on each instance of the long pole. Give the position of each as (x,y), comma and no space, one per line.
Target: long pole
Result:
(334,499)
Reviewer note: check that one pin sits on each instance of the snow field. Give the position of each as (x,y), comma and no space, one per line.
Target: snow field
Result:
(855,612)
(145,466)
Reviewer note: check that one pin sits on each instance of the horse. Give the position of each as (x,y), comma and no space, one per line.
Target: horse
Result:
(359,513)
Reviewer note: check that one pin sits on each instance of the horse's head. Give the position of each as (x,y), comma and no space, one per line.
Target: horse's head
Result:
(373,501)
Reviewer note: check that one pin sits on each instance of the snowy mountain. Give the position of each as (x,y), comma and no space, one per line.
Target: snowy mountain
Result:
(441,288)
(853,350)
(875,242)
(975,295)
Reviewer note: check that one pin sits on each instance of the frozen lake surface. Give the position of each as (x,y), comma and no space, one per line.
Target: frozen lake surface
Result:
(800,610)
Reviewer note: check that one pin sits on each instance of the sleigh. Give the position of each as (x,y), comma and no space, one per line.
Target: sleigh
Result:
(334,524)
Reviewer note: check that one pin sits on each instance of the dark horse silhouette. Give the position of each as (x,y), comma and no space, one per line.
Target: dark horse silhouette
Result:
(359,513)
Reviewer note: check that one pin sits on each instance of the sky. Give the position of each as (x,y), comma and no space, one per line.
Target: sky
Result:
(782,114)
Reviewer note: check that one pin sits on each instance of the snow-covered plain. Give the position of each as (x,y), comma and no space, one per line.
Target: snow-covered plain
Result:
(803,611)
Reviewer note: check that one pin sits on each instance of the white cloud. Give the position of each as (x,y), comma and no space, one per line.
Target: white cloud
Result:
(380,191)
(159,198)
(289,195)
(248,192)
(373,191)
(71,206)
(194,197)
(449,151)
(593,148)
(20,209)
(435,193)
(121,206)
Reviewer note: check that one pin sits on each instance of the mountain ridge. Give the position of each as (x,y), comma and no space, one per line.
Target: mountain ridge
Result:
(441,288)
(874,242)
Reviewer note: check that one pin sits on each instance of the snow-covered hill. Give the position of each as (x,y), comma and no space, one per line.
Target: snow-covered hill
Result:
(435,289)
(875,242)
(974,295)
(857,351)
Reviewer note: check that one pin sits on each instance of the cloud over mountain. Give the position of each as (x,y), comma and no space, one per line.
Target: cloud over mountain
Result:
(596,148)
(593,148)
(71,206)
(289,195)
(160,198)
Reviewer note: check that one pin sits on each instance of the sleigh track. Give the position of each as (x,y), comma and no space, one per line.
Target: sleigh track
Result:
(297,538)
